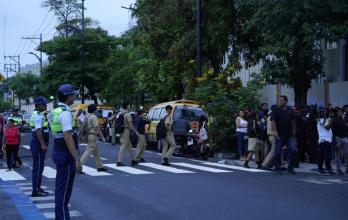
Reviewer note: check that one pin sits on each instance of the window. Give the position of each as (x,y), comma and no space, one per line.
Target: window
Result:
(188,113)
(151,113)
(163,113)
(156,114)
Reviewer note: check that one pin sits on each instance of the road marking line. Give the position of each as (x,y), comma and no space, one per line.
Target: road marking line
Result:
(165,168)
(10,175)
(35,199)
(126,169)
(48,205)
(51,215)
(49,172)
(236,167)
(23,184)
(30,188)
(26,147)
(29,192)
(93,172)
(208,169)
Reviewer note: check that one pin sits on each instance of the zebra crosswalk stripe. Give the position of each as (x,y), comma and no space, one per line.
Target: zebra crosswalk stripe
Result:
(6,175)
(236,167)
(51,215)
(126,169)
(35,199)
(93,172)
(49,172)
(204,168)
(165,168)
(47,205)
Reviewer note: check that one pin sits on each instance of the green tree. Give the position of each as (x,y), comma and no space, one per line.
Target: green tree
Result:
(25,85)
(284,35)
(65,63)
(168,31)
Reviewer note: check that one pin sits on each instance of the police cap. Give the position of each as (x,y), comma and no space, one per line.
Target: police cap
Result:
(68,89)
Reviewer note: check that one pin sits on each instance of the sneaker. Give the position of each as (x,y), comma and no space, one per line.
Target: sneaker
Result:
(119,164)
(339,173)
(133,163)
(43,192)
(102,169)
(38,194)
(246,165)
(142,160)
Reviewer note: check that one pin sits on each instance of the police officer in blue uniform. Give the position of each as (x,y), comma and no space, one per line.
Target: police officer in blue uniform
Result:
(65,154)
(39,142)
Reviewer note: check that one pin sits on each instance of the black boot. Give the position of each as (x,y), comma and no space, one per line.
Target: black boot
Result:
(246,164)
(259,165)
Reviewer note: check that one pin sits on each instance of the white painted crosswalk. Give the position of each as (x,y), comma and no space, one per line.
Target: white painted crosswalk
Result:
(47,205)
(129,170)
(165,168)
(49,172)
(26,147)
(51,215)
(93,172)
(203,168)
(6,175)
(46,198)
(236,167)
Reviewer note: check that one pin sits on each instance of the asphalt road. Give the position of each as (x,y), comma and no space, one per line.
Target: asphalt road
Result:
(194,190)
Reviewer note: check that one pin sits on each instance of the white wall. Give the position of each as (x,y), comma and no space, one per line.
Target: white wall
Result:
(338,94)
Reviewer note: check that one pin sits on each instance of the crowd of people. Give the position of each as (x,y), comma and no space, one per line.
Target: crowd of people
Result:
(293,134)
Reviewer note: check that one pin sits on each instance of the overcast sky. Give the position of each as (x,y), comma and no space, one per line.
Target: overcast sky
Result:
(28,18)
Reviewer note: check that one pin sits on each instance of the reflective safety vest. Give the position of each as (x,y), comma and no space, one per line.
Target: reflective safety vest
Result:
(56,127)
(18,121)
(44,121)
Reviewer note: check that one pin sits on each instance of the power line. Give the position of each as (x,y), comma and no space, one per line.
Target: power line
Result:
(48,24)
(48,11)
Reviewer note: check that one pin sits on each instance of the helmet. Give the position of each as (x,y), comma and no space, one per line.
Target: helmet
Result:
(68,89)
(40,101)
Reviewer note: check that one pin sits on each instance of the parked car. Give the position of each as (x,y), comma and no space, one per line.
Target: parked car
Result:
(185,117)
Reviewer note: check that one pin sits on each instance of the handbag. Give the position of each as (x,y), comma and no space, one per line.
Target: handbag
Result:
(203,134)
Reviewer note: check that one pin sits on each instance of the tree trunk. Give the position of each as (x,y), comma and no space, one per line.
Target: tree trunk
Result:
(301,91)
(95,99)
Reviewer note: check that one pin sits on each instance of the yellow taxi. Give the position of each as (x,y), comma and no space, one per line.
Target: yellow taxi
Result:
(186,115)
(102,112)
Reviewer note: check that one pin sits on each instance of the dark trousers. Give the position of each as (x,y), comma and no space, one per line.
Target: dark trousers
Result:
(38,164)
(65,165)
(12,152)
(290,150)
(242,144)
(324,155)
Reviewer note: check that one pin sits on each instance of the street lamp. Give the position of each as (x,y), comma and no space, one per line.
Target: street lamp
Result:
(39,58)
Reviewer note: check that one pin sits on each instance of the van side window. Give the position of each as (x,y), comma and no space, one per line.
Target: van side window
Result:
(163,113)
(151,113)
(155,115)
(159,114)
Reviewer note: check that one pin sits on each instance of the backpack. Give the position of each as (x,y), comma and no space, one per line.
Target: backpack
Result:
(161,131)
(84,132)
(119,125)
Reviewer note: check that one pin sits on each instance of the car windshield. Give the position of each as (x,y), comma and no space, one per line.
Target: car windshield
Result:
(188,113)
(103,113)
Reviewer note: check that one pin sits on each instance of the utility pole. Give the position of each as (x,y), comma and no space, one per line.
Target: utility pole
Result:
(83,53)
(199,55)
(40,39)
(17,64)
